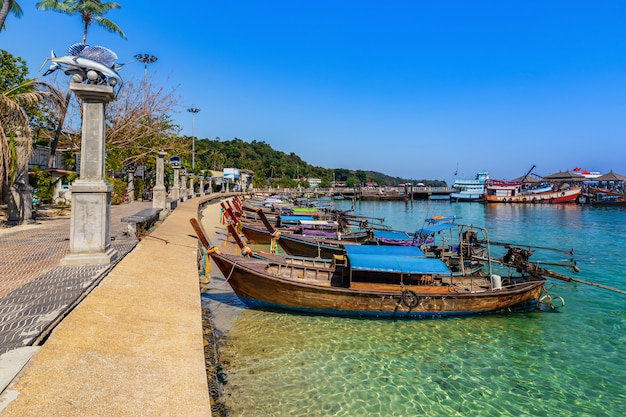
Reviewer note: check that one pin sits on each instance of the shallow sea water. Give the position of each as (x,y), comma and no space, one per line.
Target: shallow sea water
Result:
(566,363)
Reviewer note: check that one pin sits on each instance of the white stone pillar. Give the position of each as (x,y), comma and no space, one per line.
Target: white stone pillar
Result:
(201,177)
(175,191)
(192,192)
(183,186)
(158,191)
(130,187)
(90,240)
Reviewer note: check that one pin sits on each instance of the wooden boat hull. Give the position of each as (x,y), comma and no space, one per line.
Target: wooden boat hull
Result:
(618,203)
(595,191)
(467,197)
(297,246)
(324,294)
(260,234)
(565,196)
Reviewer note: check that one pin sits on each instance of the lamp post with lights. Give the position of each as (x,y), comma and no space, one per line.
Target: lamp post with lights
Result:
(146,59)
(193,111)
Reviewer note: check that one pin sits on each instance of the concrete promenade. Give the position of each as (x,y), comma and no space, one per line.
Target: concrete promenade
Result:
(133,346)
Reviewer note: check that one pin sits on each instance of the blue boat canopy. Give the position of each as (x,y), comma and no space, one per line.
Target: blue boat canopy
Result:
(398,264)
(383,234)
(386,250)
(434,228)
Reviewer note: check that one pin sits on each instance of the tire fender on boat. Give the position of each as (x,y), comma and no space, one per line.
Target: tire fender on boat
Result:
(410,299)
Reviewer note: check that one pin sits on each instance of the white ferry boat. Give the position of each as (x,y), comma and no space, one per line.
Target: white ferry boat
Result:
(470,190)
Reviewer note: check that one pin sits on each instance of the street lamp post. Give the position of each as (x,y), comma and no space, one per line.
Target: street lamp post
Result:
(146,59)
(193,112)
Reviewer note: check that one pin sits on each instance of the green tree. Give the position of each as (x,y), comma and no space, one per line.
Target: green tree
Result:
(9,6)
(327,182)
(217,159)
(19,97)
(90,11)
(287,182)
(361,175)
(341,174)
(13,70)
(17,103)
(259,180)
(352,181)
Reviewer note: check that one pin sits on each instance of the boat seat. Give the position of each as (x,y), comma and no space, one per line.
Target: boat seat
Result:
(339,260)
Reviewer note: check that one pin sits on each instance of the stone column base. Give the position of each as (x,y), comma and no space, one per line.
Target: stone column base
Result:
(98,258)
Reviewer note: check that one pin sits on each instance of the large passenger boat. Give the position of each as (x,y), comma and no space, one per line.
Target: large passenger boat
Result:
(516,192)
(470,189)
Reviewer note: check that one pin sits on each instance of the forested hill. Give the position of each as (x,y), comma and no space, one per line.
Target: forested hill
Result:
(280,167)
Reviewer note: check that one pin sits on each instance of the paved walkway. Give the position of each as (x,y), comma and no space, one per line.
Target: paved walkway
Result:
(120,340)
(34,289)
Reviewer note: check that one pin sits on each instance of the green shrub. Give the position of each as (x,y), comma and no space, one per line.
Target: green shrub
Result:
(119,189)
(139,186)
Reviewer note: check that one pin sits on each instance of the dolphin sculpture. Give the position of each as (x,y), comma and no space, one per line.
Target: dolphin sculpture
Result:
(82,60)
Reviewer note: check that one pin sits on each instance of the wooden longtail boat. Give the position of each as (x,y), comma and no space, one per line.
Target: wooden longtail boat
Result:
(314,248)
(595,191)
(374,285)
(246,251)
(258,233)
(371,281)
(265,231)
(604,200)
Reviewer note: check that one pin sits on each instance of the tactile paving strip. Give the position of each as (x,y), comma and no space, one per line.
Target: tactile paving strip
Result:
(30,310)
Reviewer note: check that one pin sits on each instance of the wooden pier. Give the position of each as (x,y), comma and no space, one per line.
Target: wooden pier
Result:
(395,193)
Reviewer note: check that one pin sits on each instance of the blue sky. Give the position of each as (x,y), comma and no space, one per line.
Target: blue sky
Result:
(408,88)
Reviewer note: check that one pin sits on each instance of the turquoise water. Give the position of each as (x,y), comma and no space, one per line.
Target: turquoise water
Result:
(569,363)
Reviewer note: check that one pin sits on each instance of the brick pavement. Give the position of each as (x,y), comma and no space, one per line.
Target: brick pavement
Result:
(35,292)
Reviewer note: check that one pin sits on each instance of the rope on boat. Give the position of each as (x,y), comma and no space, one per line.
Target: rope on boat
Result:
(205,260)
(319,249)
(274,241)
(203,269)
(231,272)
(223,284)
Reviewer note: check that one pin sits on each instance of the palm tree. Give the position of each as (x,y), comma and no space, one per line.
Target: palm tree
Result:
(9,6)
(15,103)
(90,11)
(216,157)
